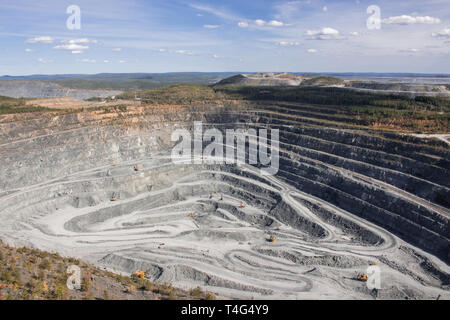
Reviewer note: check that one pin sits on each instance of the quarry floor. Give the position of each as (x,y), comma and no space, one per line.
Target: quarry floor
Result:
(216,248)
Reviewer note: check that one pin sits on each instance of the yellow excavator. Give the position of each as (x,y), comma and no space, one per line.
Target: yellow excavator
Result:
(140,274)
(362,277)
(192,215)
(272,239)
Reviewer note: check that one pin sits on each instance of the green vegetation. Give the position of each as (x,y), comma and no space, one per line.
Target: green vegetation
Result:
(231,80)
(421,114)
(139,81)
(335,97)
(322,81)
(95,99)
(178,94)
(108,85)
(11,105)
(377,111)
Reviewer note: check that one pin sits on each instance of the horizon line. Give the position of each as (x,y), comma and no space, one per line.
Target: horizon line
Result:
(237,72)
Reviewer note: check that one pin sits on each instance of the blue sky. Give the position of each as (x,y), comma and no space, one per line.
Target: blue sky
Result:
(235,35)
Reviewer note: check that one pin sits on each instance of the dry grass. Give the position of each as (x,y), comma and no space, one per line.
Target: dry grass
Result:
(30,274)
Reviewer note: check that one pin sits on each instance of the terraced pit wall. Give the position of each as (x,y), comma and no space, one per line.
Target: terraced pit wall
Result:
(53,162)
(383,180)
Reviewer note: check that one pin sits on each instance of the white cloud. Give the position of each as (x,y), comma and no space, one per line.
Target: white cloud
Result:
(122,61)
(211,26)
(42,60)
(106,61)
(28,50)
(71,47)
(412,50)
(354,33)
(219,13)
(275,23)
(187,52)
(77,41)
(260,22)
(311,50)
(44,39)
(405,19)
(117,49)
(162,50)
(76,46)
(445,33)
(324,34)
(325,9)
(272,23)
(288,43)
(242,24)
(215,56)
(88,60)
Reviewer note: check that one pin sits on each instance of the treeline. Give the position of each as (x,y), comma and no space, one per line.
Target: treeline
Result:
(177,94)
(337,97)
(84,84)
(10,105)
(393,112)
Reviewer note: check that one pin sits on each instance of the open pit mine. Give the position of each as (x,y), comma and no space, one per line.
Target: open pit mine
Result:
(100,185)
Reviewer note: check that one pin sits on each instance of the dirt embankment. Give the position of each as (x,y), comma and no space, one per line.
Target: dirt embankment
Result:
(34,274)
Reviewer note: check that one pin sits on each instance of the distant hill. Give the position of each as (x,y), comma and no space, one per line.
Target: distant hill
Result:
(123,81)
(47,89)
(323,81)
(263,79)
(98,85)
(280,79)
(108,84)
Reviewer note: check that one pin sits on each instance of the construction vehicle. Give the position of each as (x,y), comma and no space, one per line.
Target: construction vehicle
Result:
(113,198)
(372,264)
(192,215)
(140,274)
(272,239)
(136,168)
(362,277)
(242,205)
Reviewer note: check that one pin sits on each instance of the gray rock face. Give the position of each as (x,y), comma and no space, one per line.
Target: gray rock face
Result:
(340,199)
